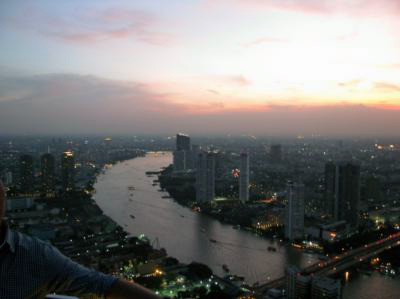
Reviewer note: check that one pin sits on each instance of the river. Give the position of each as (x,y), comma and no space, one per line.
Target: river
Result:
(186,235)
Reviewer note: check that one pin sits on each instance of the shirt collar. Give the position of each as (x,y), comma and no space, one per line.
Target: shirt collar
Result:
(8,238)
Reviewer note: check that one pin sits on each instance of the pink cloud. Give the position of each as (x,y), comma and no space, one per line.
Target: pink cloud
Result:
(88,26)
(56,104)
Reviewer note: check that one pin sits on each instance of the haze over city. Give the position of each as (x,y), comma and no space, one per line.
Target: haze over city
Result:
(208,149)
(270,67)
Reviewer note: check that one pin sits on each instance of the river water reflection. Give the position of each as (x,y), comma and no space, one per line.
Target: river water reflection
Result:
(185,234)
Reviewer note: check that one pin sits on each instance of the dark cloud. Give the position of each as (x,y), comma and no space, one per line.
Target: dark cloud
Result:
(73,104)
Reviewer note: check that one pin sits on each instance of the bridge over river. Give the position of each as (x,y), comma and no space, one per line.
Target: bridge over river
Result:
(340,262)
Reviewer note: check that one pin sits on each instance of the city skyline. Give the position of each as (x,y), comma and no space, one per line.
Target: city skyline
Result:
(206,67)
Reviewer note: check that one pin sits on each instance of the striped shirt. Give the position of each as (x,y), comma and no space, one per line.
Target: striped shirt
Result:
(31,268)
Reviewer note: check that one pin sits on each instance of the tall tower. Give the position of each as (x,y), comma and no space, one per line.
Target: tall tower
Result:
(26,178)
(347,193)
(205,177)
(47,164)
(179,159)
(182,142)
(330,183)
(68,171)
(342,191)
(183,158)
(294,224)
(244,178)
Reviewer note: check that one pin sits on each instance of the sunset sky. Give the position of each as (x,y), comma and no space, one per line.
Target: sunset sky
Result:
(208,66)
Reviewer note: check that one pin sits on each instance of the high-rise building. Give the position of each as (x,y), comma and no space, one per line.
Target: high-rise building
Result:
(294,224)
(244,178)
(298,286)
(182,142)
(330,185)
(47,164)
(183,156)
(179,160)
(302,286)
(195,154)
(342,183)
(275,153)
(205,177)
(325,288)
(26,174)
(68,171)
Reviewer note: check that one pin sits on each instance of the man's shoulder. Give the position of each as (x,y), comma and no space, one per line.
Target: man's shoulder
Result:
(24,242)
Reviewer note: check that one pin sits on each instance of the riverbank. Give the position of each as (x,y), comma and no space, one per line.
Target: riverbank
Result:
(187,234)
(232,212)
(161,273)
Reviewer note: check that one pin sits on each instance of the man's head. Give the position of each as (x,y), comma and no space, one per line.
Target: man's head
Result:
(2,201)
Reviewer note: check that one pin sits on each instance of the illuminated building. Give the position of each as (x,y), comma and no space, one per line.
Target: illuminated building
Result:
(205,177)
(26,177)
(47,164)
(244,178)
(294,222)
(68,171)
(342,183)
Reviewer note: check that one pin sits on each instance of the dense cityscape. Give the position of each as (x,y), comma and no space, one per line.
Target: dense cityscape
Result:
(208,149)
(337,200)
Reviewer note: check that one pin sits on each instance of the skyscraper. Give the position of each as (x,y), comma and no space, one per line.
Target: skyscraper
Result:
(183,158)
(205,177)
(330,183)
(294,224)
(26,176)
(342,193)
(244,178)
(47,164)
(68,171)
(182,142)
(179,160)
(298,286)
(195,154)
